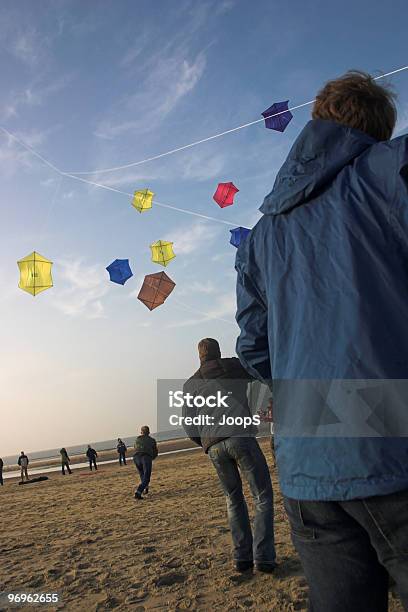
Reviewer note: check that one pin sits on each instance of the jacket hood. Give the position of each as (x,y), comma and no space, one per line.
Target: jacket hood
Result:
(322,149)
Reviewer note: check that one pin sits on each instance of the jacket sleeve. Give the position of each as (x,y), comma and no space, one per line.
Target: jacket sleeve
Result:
(399,206)
(252,318)
(192,431)
(155,450)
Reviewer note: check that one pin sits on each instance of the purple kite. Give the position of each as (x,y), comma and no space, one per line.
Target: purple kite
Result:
(238,234)
(224,195)
(280,121)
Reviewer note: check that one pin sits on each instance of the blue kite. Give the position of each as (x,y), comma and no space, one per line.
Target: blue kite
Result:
(275,116)
(238,234)
(119,271)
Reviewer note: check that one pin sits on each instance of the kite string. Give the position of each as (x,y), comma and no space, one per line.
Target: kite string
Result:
(192,144)
(204,314)
(197,142)
(184,210)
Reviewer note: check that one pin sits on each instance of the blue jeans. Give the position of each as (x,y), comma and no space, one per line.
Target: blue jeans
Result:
(347,550)
(245,454)
(143,464)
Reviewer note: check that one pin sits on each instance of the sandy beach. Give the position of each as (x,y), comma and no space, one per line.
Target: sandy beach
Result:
(85,537)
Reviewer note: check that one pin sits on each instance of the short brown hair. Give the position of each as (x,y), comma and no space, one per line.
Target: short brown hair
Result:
(208,349)
(145,430)
(357,101)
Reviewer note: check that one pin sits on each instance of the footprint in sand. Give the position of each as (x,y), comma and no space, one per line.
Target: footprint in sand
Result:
(149,549)
(203,564)
(170,579)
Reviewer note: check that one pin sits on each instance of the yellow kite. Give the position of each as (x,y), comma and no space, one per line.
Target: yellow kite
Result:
(143,200)
(162,252)
(35,273)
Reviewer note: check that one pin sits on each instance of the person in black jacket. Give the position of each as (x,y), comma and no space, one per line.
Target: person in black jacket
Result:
(1,471)
(65,460)
(219,388)
(23,462)
(121,448)
(92,455)
(145,453)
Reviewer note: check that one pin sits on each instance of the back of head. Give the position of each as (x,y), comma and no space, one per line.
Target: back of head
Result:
(145,430)
(208,349)
(356,100)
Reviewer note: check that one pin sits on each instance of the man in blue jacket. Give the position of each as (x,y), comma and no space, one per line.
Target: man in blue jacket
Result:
(322,308)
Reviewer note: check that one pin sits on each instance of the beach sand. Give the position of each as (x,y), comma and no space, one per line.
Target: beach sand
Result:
(87,538)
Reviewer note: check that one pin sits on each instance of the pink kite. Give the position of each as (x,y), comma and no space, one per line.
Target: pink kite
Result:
(224,196)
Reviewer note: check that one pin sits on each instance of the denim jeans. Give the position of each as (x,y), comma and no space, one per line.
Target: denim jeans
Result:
(143,464)
(245,454)
(347,550)
(92,462)
(65,465)
(122,458)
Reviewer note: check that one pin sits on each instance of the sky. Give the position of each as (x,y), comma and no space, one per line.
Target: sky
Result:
(93,85)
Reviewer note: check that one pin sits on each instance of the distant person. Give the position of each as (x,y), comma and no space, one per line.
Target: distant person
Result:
(1,471)
(92,455)
(145,453)
(231,450)
(23,462)
(65,461)
(121,448)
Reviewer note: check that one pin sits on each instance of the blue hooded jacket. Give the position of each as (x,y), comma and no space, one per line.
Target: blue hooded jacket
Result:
(322,296)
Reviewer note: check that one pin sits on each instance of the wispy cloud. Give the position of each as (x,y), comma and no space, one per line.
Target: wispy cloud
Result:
(85,286)
(191,238)
(222,309)
(34,94)
(170,80)
(13,157)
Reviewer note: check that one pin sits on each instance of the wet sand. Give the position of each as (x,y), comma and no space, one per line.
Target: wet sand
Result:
(87,538)
(103,455)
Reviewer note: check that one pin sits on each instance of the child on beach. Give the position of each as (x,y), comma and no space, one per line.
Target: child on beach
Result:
(65,461)
(145,453)
(23,463)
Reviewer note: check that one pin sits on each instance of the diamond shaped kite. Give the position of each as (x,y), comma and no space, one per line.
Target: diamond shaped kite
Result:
(162,252)
(155,290)
(275,116)
(224,195)
(35,273)
(143,200)
(119,271)
(238,234)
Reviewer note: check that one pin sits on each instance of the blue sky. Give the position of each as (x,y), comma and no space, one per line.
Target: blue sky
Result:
(98,84)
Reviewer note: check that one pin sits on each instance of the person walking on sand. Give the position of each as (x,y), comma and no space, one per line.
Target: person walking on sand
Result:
(232,449)
(145,453)
(1,471)
(23,463)
(322,310)
(121,448)
(92,455)
(65,461)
